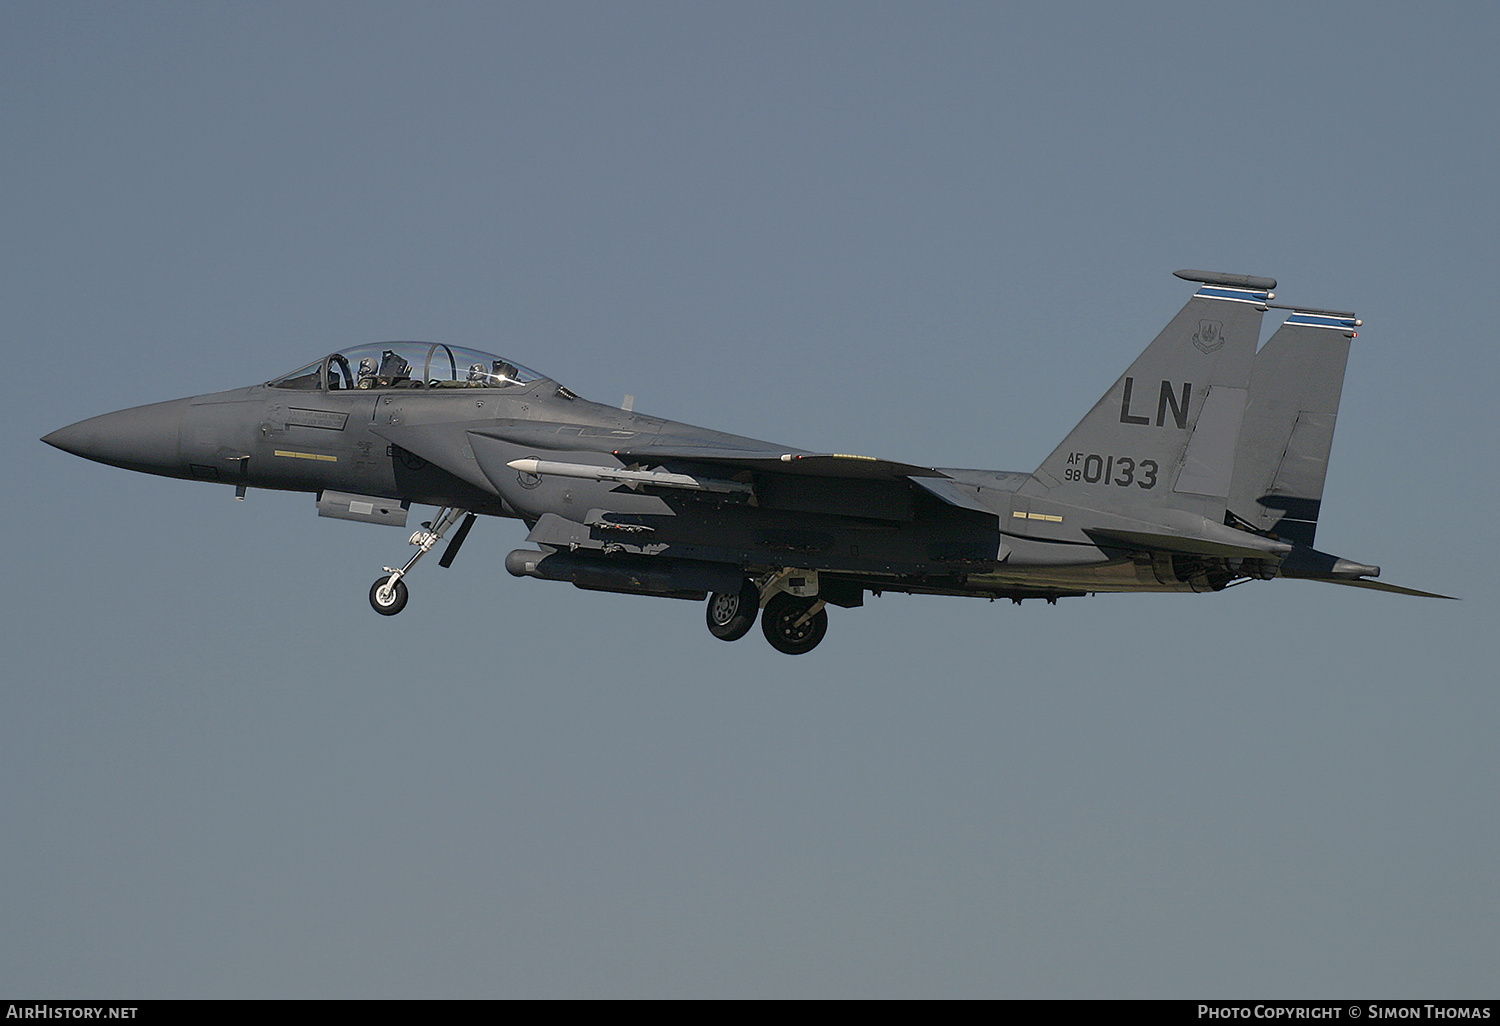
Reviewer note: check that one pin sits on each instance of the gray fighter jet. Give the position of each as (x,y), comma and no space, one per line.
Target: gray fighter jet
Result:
(1201,467)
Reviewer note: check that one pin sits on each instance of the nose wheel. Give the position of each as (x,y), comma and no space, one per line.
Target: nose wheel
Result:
(387,596)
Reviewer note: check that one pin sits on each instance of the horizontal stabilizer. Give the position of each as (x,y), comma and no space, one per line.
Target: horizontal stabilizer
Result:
(1307,564)
(1378,586)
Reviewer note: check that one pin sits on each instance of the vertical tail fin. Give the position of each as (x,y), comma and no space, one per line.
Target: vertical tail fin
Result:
(1165,434)
(1282,457)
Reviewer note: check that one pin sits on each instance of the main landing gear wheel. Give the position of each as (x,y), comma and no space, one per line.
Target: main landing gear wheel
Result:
(790,624)
(388,599)
(731,614)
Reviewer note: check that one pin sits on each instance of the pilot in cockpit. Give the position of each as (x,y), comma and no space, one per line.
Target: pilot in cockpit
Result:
(366,373)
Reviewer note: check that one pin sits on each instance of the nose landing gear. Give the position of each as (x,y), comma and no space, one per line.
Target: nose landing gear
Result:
(388,594)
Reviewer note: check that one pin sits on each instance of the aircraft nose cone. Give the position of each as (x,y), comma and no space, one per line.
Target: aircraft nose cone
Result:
(142,438)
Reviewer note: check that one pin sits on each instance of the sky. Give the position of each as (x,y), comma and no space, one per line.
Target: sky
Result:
(932,232)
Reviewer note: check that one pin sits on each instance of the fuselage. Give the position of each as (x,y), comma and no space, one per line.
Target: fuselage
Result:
(460,441)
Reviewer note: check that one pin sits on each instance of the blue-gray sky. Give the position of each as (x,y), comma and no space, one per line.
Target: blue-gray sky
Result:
(931,232)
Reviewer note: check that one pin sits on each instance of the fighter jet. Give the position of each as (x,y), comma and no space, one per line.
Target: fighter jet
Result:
(1202,467)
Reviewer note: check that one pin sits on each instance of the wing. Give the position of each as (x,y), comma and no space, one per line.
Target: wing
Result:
(714,462)
(775,461)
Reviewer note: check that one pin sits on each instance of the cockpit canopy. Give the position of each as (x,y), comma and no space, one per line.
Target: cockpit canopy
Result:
(407,365)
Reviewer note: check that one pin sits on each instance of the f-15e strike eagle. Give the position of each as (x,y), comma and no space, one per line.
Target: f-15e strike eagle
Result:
(1201,467)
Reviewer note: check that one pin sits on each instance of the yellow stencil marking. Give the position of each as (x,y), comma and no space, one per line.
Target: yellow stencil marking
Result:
(305,455)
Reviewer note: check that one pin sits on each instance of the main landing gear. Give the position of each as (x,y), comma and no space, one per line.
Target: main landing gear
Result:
(731,614)
(388,594)
(794,625)
(794,618)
